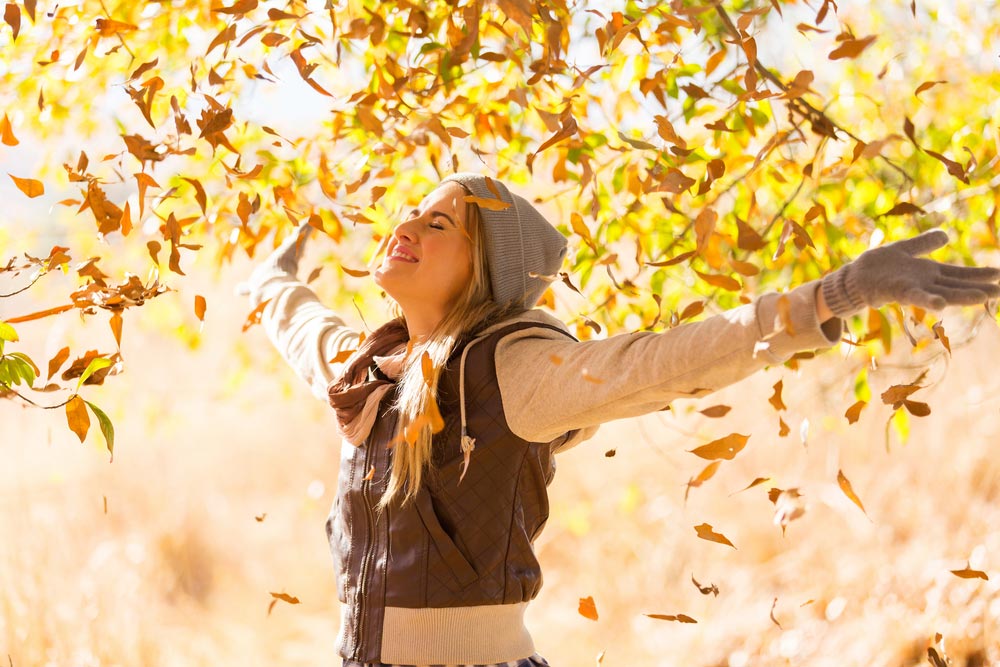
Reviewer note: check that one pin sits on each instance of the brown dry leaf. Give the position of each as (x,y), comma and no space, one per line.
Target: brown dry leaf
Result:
(716,411)
(57,361)
(28,186)
(904,208)
(845,486)
(969,573)
(773,619)
(40,314)
(12,16)
(254,316)
(199,307)
(706,474)
(711,589)
(259,518)
(938,330)
(853,413)
(674,260)
(110,27)
(935,658)
(354,273)
(775,399)
(917,408)
(692,309)
(925,85)
(757,482)
(783,428)
(7,132)
(897,393)
(610,453)
(706,532)
(850,47)
(723,448)
(680,618)
(77,417)
(587,608)
(725,282)
(240,7)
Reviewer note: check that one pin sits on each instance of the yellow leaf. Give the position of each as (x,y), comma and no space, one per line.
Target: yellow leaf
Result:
(706,532)
(77,417)
(587,608)
(7,132)
(28,186)
(723,448)
(845,486)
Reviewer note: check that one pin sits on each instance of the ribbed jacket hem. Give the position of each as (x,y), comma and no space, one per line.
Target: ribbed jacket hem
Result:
(483,634)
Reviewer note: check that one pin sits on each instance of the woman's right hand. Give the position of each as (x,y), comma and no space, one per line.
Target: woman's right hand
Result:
(286,256)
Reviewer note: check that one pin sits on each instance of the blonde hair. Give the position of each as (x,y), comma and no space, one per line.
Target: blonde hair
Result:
(416,401)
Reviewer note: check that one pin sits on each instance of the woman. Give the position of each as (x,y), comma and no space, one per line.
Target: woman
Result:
(452,412)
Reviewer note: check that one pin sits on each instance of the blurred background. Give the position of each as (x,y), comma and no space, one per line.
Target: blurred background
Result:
(225,466)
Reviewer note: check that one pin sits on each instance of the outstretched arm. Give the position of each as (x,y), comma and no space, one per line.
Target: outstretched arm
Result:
(307,334)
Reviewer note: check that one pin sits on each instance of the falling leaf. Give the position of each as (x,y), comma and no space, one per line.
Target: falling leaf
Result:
(757,482)
(926,85)
(354,273)
(706,532)
(76,416)
(254,316)
(775,399)
(427,369)
(903,208)
(116,329)
(725,282)
(587,608)
(969,573)
(716,411)
(773,619)
(7,132)
(851,47)
(40,314)
(12,15)
(199,307)
(854,412)
(711,589)
(723,448)
(341,356)
(783,428)
(917,408)
(938,330)
(706,474)
(487,203)
(370,475)
(680,618)
(845,486)
(28,186)
(897,393)
(610,453)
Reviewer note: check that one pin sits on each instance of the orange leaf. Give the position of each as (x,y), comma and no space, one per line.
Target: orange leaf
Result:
(488,203)
(587,608)
(116,328)
(938,330)
(28,186)
(925,85)
(969,573)
(706,532)
(354,272)
(341,356)
(199,307)
(12,15)
(723,448)
(775,399)
(254,316)
(76,415)
(854,412)
(57,361)
(725,282)
(716,411)
(851,47)
(680,618)
(845,486)
(285,597)
(756,482)
(7,132)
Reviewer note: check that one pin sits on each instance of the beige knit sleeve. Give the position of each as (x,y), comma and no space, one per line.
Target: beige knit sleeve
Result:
(307,334)
(551,385)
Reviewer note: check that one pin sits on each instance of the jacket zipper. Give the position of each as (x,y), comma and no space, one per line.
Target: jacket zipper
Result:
(366,557)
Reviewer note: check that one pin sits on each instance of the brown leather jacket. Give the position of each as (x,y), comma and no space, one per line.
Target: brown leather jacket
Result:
(457,562)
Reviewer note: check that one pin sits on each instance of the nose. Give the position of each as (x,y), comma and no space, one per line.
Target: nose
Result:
(406,230)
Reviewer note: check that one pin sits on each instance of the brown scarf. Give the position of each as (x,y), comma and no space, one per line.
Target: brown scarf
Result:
(355,396)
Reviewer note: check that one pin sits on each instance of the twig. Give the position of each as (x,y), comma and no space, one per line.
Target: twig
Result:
(7,387)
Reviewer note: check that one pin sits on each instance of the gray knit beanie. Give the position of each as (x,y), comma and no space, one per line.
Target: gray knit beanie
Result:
(520,242)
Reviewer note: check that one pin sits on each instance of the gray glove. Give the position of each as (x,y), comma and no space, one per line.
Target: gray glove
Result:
(893,273)
(286,256)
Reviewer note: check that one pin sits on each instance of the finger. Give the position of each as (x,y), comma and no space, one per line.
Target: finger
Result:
(915,296)
(980,273)
(923,244)
(959,297)
(992,290)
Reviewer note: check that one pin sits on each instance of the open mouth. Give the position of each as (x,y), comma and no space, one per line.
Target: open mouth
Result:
(402,255)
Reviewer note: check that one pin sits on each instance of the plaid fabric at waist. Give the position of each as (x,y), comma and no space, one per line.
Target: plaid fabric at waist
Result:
(532,661)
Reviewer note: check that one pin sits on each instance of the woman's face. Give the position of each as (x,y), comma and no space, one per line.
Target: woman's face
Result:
(428,260)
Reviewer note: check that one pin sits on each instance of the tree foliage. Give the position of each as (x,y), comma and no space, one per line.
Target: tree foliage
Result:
(690,159)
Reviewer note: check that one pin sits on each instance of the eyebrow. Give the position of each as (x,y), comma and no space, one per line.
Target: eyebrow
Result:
(440,214)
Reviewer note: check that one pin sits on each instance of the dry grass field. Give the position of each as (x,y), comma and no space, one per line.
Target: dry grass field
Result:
(225,465)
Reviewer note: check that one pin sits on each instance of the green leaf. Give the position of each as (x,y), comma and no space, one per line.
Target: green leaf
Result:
(107,428)
(95,365)
(23,365)
(5,373)
(7,333)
